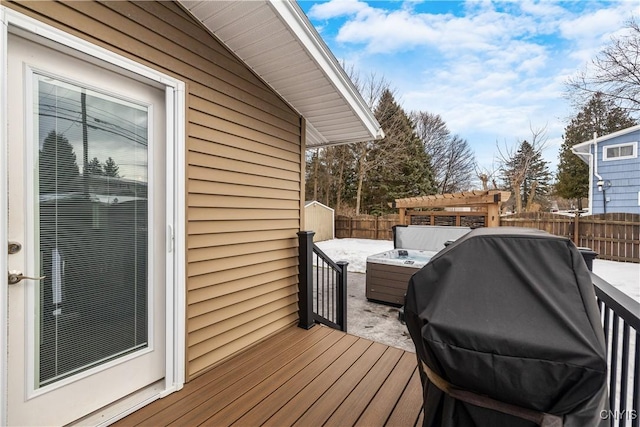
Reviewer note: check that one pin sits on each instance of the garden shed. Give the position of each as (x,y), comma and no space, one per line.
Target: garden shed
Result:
(319,218)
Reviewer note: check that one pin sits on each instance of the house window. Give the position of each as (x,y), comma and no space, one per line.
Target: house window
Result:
(627,150)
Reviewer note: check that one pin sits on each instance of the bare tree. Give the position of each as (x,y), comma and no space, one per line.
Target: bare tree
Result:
(513,172)
(433,132)
(524,170)
(452,160)
(458,167)
(615,72)
(485,175)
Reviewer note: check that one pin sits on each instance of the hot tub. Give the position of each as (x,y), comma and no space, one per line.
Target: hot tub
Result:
(388,273)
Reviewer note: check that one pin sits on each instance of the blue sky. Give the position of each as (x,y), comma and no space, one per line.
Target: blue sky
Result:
(491,70)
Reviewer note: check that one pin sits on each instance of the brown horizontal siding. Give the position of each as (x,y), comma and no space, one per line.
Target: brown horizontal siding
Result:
(203,254)
(252,165)
(229,263)
(204,149)
(205,227)
(243,336)
(200,309)
(203,328)
(243,171)
(278,133)
(268,280)
(227,147)
(220,278)
(228,214)
(225,176)
(203,93)
(234,133)
(212,240)
(224,189)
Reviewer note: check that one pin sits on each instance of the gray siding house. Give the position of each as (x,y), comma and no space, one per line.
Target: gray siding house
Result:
(614,171)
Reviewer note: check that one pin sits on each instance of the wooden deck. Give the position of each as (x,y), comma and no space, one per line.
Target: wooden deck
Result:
(298,377)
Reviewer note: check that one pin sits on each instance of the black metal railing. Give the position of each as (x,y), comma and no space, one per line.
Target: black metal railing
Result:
(620,316)
(323,286)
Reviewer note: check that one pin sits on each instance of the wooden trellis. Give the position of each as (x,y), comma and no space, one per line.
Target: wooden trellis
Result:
(482,203)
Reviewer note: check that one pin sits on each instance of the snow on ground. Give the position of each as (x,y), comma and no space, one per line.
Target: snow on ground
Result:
(354,251)
(624,276)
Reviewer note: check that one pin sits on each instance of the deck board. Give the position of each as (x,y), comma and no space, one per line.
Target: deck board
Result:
(394,385)
(357,401)
(298,377)
(260,413)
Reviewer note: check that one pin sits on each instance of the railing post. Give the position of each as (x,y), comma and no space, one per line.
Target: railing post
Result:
(588,255)
(342,296)
(305,279)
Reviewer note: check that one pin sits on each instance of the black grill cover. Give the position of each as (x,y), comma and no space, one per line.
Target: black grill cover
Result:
(509,313)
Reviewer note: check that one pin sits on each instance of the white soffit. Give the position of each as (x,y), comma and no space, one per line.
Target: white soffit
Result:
(275,39)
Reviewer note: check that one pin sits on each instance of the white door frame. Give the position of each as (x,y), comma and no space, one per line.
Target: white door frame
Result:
(175,184)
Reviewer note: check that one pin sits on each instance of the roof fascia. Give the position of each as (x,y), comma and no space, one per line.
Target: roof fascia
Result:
(309,38)
(611,135)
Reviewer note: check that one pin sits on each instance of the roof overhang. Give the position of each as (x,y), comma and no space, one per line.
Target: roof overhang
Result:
(277,41)
(583,149)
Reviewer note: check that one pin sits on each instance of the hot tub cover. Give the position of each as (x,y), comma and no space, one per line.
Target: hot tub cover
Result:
(511,314)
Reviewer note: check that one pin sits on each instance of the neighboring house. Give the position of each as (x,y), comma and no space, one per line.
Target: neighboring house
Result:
(204,109)
(614,171)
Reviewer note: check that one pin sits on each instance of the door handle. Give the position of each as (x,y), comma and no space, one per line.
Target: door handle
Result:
(17,276)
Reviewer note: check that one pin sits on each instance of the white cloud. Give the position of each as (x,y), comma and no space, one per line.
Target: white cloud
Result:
(542,9)
(594,26)
(336,8)
(387,32)
(384,31)
(492,72)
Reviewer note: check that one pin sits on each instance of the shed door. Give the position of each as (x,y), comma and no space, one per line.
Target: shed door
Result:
(86,199)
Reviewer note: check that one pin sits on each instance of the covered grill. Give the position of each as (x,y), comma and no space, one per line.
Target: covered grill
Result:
(507,333)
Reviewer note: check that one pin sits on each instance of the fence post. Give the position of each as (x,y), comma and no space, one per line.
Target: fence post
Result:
(342,296)
(576,233)
(305,279)
(377,226)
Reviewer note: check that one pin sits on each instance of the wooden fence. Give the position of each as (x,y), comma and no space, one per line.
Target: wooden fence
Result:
(614,236)
(366,226)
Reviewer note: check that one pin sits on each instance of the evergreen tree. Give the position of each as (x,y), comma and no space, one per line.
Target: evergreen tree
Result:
(527,176)
(600,116)
(537,180)
(58,168)
(111,169)
(94,167)
(402,168)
